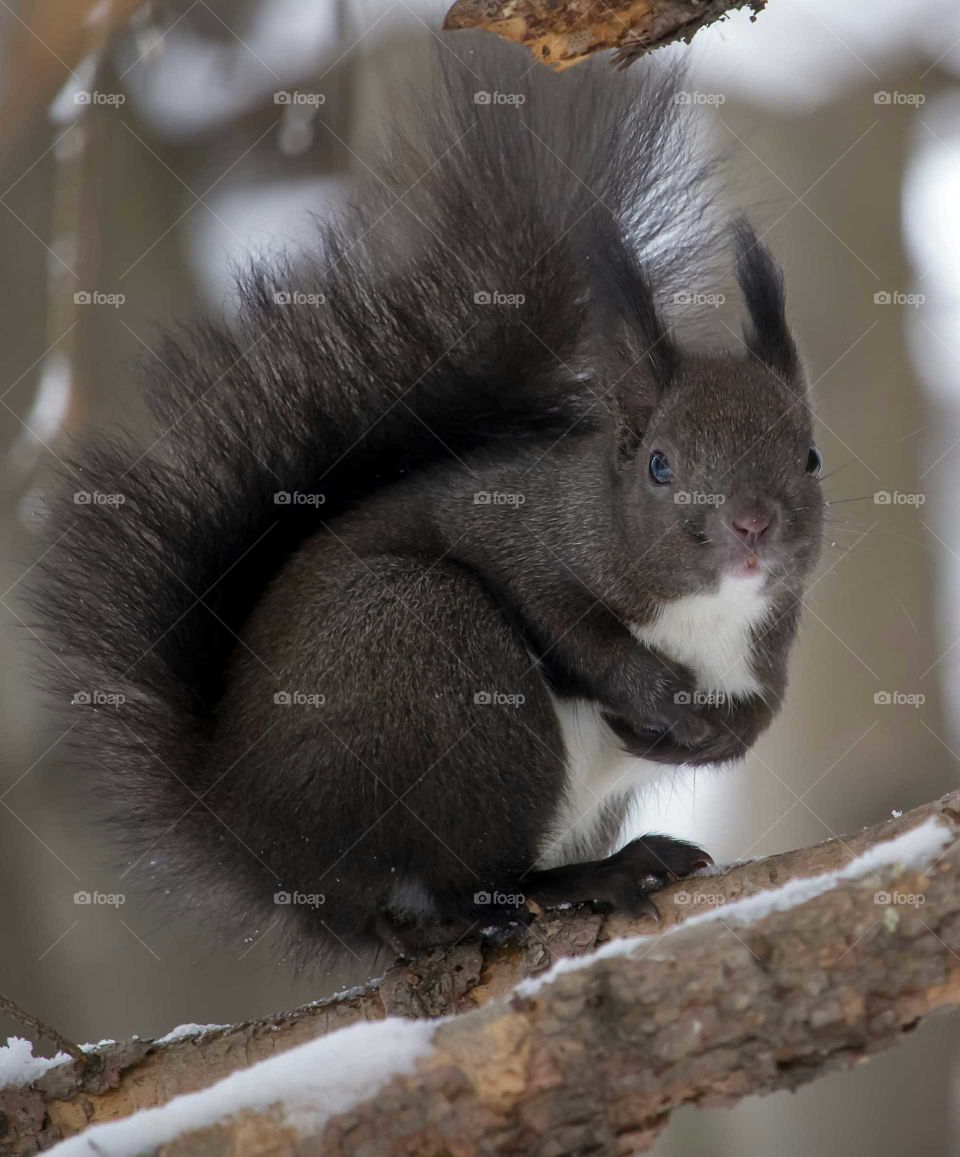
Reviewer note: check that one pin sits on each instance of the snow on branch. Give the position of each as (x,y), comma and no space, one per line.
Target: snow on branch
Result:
(759,977)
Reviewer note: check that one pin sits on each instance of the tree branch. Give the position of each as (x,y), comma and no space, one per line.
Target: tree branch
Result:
(561,33)
(750,998)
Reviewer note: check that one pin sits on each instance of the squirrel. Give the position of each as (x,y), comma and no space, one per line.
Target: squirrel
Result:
(445,545)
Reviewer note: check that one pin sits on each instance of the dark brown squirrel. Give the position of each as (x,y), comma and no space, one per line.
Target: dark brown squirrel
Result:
(447,545)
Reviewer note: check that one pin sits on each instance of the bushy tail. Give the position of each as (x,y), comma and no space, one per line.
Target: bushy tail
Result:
(448,307)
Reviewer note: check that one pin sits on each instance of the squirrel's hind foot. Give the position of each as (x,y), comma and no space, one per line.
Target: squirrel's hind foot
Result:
(622,882)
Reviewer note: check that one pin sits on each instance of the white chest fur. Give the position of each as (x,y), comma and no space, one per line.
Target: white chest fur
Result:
(711,634)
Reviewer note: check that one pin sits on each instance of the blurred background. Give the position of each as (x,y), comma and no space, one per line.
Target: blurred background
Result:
(146,149)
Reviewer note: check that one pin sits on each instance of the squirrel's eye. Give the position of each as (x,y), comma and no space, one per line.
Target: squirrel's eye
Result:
(814,462)
(660,468)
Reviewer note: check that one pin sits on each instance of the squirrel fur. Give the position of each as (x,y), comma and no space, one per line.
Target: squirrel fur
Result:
(411,590)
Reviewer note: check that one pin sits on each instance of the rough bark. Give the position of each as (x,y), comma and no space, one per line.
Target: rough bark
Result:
(561,33)
(706,1015)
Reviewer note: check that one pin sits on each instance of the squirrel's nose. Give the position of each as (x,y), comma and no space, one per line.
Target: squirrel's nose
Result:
(750,528)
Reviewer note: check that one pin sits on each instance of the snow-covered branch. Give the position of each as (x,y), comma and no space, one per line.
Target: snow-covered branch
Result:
(759,977)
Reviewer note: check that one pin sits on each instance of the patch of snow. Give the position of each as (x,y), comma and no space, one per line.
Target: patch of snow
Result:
(915,848)
(18,1065)
(183,1031)
(311,1083)
(350,993)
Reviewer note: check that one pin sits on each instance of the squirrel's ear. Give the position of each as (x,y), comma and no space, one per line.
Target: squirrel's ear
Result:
(640,353)
(628,306)
(761,282)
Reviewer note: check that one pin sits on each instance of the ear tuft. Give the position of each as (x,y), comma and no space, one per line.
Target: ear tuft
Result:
(761,282)
(626,298)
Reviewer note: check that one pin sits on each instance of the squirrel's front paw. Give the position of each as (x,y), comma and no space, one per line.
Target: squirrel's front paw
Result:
(716,742)
(645,735)
(661,702)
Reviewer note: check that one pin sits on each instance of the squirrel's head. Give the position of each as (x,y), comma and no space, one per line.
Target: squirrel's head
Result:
(714,458)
